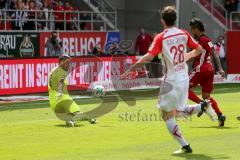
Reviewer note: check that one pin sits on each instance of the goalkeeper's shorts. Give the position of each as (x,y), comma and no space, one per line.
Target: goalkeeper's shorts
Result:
(65,108)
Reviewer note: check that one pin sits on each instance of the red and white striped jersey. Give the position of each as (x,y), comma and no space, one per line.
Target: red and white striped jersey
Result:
(172,43)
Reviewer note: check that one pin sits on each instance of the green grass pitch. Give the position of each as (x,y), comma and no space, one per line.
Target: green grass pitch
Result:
(30,131)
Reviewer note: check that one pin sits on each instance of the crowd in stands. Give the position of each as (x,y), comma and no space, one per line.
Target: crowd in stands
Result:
(37,14)
(232,5)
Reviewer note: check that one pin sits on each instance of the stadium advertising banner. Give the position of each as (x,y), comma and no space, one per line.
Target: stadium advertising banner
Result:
(79,43)
(31,75)
(24,44)
(233,55)
(25,76)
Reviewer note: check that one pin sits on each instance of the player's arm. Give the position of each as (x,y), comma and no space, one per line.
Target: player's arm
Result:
(60,88)
(140,63)
(210,48)
(154,50)
(218,62)
(193,53)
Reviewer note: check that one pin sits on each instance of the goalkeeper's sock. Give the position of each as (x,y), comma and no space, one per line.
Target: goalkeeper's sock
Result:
(193,97)
(175,132)
(215,106)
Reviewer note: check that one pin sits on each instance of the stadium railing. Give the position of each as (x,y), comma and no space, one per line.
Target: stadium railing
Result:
(102,6)
(216,10)
(93,20)
(235,21)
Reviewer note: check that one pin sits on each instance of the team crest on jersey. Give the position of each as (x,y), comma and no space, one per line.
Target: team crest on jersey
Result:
(210,44)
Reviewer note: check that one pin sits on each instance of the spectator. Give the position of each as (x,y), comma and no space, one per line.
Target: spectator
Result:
(53,45)
(84,17)
(155,67)
(46,14)
(30,24)
(143,42)
(49,3)
(59,24)
(220,49)
(99,25)
(2,24)
(19,16)
(13,4)
(3,4)
(231,5)
(97,51)
(37,4)
(69,9)
(41,24)
(56,2)
(74,25)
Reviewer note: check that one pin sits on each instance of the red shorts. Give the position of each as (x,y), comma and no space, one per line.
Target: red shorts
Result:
(202,78)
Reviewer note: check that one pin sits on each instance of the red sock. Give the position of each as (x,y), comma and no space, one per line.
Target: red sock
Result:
(193,97)
(215,106)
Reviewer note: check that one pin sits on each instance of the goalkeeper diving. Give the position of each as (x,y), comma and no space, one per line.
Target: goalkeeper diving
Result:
(60,101)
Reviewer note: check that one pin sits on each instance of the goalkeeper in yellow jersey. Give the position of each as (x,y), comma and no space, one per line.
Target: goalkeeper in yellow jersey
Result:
(60,101)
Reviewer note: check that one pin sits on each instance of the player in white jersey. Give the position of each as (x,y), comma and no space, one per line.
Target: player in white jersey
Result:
(172,43)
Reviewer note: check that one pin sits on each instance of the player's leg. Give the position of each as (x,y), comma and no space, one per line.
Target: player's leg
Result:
(193,97)
(174,130)
(185,110)
(194,81)
(190,110)
(207,87)
(167,104)
(221,117)
(67,110)
(74,110)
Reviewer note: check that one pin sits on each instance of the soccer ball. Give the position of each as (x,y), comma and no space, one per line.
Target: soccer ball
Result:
(98,91)
(70,123)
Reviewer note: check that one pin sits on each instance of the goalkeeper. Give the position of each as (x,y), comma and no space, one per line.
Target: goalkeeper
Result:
(60,101)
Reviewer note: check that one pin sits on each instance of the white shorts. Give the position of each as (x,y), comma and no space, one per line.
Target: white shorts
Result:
(175,98)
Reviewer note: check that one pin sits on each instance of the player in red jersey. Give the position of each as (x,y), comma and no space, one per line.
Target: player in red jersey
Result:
(203,72)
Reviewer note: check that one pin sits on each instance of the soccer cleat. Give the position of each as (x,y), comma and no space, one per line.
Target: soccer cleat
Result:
(238,118)
(184,149)
(70,123)
(221,120)
(207,108)
(200,113)
(92,121)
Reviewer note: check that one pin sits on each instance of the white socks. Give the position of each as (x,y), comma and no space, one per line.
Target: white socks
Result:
(193,109)
(173,127)
(189,111)
(175,132)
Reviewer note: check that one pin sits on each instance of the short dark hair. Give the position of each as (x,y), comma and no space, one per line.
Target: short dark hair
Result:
(63,57)
(169,15)
(197,23)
